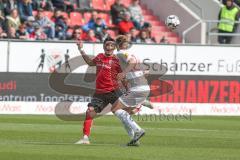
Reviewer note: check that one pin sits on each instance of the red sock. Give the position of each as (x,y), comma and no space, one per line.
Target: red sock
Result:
(87,125)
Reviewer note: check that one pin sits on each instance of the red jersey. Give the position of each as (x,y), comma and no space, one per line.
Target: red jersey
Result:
(107,71)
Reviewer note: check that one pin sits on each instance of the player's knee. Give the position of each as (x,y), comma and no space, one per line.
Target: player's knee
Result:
(90,109)
(130,110)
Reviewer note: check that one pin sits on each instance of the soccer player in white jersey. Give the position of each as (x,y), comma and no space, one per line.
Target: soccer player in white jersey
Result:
(138,88)
(134,74)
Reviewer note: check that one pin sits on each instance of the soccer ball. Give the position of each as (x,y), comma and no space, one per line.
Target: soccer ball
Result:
(172,22)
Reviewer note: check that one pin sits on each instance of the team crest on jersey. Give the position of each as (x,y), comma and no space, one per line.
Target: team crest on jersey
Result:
(111,62)
(125,55)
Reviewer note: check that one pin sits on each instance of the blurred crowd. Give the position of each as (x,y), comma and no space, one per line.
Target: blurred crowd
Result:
(26,20)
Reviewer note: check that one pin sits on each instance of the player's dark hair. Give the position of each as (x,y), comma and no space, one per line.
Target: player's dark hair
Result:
(108,39)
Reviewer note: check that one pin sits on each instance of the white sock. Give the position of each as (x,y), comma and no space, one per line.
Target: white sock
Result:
(130,125)
(129,130)
(85,137)
(121,114)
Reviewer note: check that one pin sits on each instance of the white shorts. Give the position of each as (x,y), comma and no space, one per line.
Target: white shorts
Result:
(136,96)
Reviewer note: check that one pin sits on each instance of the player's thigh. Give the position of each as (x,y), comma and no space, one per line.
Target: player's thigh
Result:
(98,103)
(113,98)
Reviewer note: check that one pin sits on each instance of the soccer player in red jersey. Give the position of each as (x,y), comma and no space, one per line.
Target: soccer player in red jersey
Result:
(107,87)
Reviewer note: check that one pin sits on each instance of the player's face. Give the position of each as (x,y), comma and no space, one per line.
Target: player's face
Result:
(109,47)
(124,45)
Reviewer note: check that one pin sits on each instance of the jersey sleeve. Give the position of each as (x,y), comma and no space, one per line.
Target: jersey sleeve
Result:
(119,69)
(97,58)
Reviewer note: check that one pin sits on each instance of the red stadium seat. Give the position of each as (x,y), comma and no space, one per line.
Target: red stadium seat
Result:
(67,20)
(104,16)
(108,4)
(107,19)
(34,13)
(149,18)
(98,4)
(65,15)
(76,19)
(87,16)
(48,14)
(112,33)
(126,2)
(174,40)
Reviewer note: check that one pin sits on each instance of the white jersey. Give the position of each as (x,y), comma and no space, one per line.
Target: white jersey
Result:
(138,85)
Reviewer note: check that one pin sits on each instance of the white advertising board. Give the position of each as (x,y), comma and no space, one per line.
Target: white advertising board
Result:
(48,108)
(155,54)
(3,56)
(208,60)
(179,60)
(42,108)
(26,56)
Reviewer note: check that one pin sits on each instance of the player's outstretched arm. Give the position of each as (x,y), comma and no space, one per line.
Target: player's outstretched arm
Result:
(125,84)
(86,58)
(131,65)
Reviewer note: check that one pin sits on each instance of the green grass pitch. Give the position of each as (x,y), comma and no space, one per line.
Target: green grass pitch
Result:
(25,137)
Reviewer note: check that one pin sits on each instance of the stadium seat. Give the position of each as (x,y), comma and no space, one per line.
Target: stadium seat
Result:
(156,23)
(107,19)
(102,15)
(126,2)
(98,4)
(34,13)
(160,34)
(87,16)
(76,19)
(105,16)
(146,11)
(171,34)
(65,15)
(174,40)
(108,4)
(48,14)
(112,33)
(67,19)
(149,18)
(160,29)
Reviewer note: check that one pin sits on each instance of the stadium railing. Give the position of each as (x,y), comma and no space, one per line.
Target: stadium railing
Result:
(210,30)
